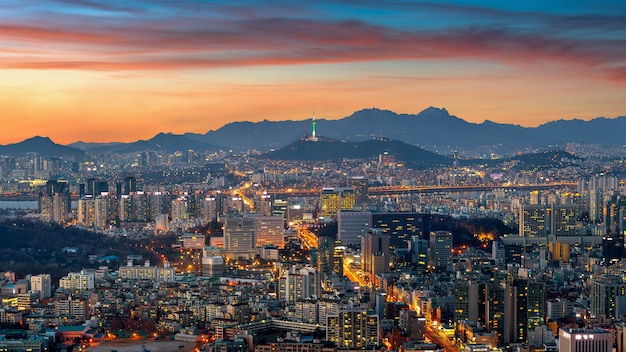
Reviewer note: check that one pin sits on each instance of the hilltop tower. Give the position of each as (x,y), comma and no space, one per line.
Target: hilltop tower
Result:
(313,126)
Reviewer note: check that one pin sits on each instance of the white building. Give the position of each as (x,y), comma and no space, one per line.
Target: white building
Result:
(583,340)
(42,284)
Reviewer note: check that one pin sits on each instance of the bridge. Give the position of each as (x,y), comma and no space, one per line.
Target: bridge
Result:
(383,190)
(389,190)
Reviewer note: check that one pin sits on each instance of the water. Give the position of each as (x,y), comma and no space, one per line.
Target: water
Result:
(19,204)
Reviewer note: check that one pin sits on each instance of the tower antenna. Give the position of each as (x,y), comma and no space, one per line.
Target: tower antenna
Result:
(313,127)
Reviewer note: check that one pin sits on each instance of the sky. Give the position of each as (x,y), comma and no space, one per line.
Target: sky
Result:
(125,70)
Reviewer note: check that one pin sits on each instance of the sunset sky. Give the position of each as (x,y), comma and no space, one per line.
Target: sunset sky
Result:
(102,71)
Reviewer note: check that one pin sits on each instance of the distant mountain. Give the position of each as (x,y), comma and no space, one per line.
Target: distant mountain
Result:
(264,135)
(165,142)
(430,127)
(43,146)
(87,146)
(599,130)
(330,149)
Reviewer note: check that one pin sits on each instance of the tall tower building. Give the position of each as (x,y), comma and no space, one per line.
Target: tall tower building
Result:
(375,253)
(604,293)
(440,250)
(338,256)
(495,309)
(55,202)
(325,259)
(469,303)
(536,306)
(360,185)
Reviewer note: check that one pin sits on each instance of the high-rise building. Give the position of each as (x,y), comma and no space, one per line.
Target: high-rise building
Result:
(352,226)
(400,226)
(179,209)
(269,230)
(279,205)
(325,258)
(585,340)
(130,185)
(334,200)
(376,253)
(82,281)
(543,220)
(495,309)
(298,284)
(604,293)
(533,220)
(353,329)
(42,284)
(419,248)
(360,185)
(563,221)
(469,301)
(440,250)
(55,202)
(536,306)
(338,256)
(239,233)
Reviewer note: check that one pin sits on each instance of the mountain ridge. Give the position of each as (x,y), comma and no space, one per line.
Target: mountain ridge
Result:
(431,127)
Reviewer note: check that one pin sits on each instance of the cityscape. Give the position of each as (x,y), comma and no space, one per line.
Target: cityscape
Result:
(236,252)
(283,176)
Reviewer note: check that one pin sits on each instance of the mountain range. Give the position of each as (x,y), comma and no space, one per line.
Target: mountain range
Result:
(431,127)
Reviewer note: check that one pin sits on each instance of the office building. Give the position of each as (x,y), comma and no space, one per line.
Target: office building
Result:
(585,340)
(325,258)
(604,293)
(334,200)
(239,234)
(376,253)
(352,226)
(469,301)
(400,226)
(440,250)
(269,230)
(360,186)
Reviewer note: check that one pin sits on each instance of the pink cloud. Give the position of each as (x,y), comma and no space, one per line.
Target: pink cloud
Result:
(190,43)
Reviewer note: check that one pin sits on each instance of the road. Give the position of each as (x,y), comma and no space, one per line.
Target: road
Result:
(441,340)
(308,238)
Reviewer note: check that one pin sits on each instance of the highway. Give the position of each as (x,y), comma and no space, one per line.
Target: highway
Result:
(352,275)
(434,336)
(308,238)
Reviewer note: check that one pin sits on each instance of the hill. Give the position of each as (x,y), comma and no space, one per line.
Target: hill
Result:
(43,146)
(330,149)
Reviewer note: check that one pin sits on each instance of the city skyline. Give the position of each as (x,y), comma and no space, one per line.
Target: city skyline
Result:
(88,70)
